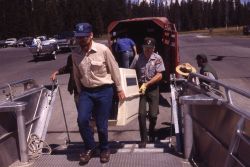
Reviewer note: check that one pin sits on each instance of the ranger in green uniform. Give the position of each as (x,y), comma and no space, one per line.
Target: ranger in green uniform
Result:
(149,67)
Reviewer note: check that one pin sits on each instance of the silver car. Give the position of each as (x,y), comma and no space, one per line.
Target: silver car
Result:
(43,47)
(11,42)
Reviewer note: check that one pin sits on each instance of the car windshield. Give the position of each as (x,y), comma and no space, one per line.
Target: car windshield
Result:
(42,38)
(10,39)
(27,38)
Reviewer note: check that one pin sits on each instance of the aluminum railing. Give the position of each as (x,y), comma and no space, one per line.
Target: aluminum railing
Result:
(25,109)
(212,118)
(18,108)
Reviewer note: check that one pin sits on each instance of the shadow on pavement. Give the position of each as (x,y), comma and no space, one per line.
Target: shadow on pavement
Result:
(165,132)
(40,59)
(163,101)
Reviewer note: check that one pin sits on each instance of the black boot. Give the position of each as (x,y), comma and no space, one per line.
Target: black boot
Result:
(143,130)
(152,123)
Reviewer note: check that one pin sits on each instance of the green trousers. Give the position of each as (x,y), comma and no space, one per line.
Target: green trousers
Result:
(151,97)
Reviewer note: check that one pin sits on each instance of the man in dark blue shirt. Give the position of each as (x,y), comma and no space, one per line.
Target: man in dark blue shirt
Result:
(126,50)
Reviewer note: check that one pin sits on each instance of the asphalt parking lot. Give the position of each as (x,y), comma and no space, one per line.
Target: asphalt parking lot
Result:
(229,55)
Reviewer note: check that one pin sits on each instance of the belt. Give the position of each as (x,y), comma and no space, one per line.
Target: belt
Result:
(126,51)
(97,88)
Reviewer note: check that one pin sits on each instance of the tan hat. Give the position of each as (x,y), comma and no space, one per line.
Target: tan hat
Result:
(184,69)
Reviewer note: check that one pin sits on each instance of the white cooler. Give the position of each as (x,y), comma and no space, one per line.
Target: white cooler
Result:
(128,109)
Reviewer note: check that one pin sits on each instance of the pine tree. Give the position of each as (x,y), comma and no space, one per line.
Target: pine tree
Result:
(197,10)
(177,15)
(230,13)
(185,17)
(216,14)
(224,13)
(238,12)
(95,16)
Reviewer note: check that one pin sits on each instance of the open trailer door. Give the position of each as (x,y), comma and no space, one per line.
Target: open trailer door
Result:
(158,28)
(137,29)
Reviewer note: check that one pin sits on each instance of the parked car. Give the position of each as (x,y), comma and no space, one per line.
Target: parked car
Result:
(11,42)
(3,44)
(44,47)
(25,41)
(246,30)
(64,40)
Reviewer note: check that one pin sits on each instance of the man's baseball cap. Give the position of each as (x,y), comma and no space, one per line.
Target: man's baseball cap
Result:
(149,42)
(83,30)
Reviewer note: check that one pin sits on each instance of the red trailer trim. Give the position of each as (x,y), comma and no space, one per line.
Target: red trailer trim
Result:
(160,21)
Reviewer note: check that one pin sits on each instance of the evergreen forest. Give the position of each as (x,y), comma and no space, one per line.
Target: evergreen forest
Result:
(20,18)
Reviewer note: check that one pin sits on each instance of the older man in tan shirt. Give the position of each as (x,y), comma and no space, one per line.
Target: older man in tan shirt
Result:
(95,72)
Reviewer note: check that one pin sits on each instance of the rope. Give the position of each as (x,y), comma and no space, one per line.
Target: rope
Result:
(37,147)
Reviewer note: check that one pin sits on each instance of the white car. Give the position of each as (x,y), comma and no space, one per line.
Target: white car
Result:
(11,41)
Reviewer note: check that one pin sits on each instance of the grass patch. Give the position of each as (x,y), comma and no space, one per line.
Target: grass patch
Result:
(222,31)
(230,31)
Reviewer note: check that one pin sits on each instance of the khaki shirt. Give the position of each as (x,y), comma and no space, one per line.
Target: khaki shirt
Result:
(96,67)
(146,69)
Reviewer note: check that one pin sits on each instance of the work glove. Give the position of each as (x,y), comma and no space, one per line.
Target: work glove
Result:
(143,88)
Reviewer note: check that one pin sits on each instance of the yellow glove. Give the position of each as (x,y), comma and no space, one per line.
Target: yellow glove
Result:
(143,88)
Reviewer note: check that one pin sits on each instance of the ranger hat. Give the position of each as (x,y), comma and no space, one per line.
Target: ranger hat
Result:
(83,30)
(149,42)
(184,69)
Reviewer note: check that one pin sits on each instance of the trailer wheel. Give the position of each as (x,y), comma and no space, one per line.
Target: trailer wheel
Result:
(57,49)
(35,58)
(53,56)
